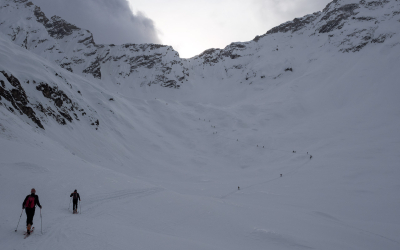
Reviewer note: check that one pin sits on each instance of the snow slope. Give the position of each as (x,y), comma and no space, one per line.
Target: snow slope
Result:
(163,166)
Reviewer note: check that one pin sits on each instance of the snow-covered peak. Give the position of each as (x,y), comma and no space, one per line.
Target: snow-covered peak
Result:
(344,26)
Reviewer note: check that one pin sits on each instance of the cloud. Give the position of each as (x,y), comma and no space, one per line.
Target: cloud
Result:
(110,21)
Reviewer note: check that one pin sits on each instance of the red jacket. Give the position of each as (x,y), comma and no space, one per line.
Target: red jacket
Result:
(36,202)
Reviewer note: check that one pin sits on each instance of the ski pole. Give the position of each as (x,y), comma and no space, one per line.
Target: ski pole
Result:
(69,203)
(41,223)
(80,207)
(19,220)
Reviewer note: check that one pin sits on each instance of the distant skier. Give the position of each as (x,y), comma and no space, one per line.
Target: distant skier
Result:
(29,205)
(75,197)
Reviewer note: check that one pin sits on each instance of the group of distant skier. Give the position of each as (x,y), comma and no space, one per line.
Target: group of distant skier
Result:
(32,200)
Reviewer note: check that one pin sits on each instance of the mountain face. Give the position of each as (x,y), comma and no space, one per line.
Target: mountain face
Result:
(39,92)
(344,26)
(75,50)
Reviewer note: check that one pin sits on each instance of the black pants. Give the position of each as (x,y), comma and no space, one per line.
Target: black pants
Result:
(30,212)
(75,204)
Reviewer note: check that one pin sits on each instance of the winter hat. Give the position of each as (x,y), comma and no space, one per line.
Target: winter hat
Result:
(33,190)
(75,190)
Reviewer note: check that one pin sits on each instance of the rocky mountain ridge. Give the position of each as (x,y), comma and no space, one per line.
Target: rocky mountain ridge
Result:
(75,50)
(344,26)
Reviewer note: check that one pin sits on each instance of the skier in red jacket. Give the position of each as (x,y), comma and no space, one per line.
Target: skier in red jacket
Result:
(29,205)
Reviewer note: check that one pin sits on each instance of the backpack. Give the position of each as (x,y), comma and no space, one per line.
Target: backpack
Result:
(30,202)
(75,196)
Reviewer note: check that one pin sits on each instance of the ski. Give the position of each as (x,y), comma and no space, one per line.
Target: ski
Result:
(27,235)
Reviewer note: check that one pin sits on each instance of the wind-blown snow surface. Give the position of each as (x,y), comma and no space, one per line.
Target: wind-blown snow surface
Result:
(157,174)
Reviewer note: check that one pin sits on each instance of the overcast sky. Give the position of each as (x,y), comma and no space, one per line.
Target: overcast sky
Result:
(189,26)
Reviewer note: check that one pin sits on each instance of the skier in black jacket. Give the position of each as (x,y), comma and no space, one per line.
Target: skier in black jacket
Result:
(75,196)
(29,205)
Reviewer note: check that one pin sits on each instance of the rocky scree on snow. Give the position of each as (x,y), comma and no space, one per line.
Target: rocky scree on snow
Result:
(59,106)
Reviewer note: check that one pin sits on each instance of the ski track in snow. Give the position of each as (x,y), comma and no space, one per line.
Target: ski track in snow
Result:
(62,228)
(295,169)
(347,225)
(122,194)
(278,239)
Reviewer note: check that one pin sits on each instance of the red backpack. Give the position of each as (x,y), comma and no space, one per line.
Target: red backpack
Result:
(30,202)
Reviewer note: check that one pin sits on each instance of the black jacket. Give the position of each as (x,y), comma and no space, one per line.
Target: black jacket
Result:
(77,196)
(36,200)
